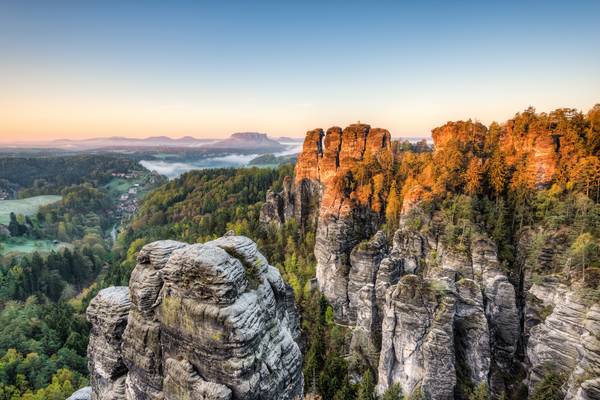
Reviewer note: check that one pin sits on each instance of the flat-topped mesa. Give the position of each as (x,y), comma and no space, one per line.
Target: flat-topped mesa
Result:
(210,321)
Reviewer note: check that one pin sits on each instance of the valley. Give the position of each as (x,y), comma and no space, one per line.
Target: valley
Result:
(300,200)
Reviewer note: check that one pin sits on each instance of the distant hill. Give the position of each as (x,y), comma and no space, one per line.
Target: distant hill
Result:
(237,141)
(288,139)
(271,159)
(249,140)
(118,141)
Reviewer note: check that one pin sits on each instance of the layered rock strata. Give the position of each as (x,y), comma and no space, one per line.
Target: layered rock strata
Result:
(464,307)
(108,313)
(417,349)
(209,321)
(564,337)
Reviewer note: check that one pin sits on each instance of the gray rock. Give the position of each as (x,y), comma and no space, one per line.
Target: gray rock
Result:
(472,341)
(272,211)
(279,207)
(82,394)
(499,297)
(567,339)
(364,267)
(108,313)
(417,342)
(336,237)
(209,321)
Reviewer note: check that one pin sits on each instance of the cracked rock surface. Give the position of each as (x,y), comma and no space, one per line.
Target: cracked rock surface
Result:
(210,321)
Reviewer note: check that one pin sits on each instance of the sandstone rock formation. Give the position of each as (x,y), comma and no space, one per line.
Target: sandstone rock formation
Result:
(108,313)
(321,196)
(425,313)
(417,348)
(82,394)
(278,207)
(465,305)
(566,337)
(210,321)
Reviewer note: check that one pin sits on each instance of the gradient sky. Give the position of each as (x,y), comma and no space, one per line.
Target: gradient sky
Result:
(75,69)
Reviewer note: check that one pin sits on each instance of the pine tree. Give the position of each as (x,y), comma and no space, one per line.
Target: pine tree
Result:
(393,207)
(394,392)
(473,176)
(366,386)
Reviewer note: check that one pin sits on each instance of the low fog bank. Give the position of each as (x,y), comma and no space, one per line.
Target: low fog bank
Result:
(173,169)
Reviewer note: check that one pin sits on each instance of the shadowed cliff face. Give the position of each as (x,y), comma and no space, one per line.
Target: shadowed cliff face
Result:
(210,321)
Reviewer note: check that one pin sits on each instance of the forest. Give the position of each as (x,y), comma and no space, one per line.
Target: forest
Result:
(43,295)
(48,175)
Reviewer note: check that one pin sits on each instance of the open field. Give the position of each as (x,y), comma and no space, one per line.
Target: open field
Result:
(23,245)
(118,186)
(28,206)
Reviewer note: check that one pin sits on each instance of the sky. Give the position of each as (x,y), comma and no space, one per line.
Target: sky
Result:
(81,69)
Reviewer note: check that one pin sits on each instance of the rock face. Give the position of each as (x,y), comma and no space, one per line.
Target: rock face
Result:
(564,334)
(417,348)
(539,147)
(108,313)
(82,394)
(209,321)
(278,207)
(464,308)
(322,196)
(428,314)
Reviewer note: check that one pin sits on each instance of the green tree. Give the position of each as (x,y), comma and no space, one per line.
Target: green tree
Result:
(549,388)
(394,392)
(481,392)
(582,248)
(366,386)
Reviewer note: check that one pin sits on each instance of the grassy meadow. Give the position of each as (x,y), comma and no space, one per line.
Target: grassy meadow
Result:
(28,206)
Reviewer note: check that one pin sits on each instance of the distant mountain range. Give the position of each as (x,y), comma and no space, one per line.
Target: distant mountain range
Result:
(240,140)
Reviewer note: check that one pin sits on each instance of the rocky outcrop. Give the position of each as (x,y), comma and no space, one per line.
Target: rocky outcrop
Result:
(430,314)
(564,337)
(537,149)
(347,215)
(417,348)
(480,319)
(326,194)
(471,334)
(278,207)
(108,313)
(209,321)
